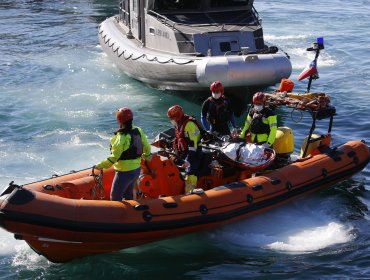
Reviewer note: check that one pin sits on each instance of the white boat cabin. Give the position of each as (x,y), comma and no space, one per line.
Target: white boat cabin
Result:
(188,27)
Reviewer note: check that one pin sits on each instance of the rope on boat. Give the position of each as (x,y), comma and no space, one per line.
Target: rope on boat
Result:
(130,56)
(98,190)
(299,118)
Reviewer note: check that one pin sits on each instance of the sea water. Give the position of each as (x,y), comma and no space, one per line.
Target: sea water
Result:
(59,94)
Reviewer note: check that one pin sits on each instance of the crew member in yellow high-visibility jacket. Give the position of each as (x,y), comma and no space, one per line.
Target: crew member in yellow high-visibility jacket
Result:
(261,122)
(129,146)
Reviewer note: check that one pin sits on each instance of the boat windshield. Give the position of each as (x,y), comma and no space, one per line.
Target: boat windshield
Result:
(177,5)
(193,5)
(227,3)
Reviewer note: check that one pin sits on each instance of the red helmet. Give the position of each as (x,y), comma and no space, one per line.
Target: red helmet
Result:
(217,87)
(175,113)
(123,115)
(259,98)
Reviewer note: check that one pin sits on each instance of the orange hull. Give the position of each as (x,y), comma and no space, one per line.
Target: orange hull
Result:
(63,218)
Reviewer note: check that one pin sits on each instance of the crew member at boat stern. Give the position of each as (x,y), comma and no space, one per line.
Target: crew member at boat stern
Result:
(261,122)
(128,146)
(187,144)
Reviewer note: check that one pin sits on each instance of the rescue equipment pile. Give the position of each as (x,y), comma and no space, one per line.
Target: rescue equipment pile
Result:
(306,101)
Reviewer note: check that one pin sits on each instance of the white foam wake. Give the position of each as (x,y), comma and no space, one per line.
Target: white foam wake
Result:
(314,239)
(301,227)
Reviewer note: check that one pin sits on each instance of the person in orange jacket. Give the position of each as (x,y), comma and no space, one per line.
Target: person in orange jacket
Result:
(187,144)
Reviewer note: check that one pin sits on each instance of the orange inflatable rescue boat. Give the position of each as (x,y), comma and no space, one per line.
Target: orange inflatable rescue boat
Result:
(71,216)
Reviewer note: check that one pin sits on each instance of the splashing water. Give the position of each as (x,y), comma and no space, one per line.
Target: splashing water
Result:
(314,239)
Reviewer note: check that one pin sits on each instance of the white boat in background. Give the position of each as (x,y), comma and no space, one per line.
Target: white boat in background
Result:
(187,44)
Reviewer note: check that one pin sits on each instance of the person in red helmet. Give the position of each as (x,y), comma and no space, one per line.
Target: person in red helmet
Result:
(187,144)
(128,146)
(217,115)
(261,122)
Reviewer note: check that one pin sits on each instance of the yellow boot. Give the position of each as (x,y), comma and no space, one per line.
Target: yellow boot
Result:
(190,183)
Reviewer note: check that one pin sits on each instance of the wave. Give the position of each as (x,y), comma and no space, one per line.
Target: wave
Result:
(314,239)
(25,259)
(271,37)
(9,245)
(299,227)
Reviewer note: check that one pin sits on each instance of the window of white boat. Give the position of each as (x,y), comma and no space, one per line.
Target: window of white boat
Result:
(228,3)
(177,5)
(225,47)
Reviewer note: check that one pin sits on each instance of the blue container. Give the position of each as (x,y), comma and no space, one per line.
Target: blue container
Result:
(320,40)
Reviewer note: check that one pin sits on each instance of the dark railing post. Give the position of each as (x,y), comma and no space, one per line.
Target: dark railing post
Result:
(313,126)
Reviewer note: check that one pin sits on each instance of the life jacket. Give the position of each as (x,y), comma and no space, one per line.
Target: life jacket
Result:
(135,150)
(181,142)
(218,112)
(257,125)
